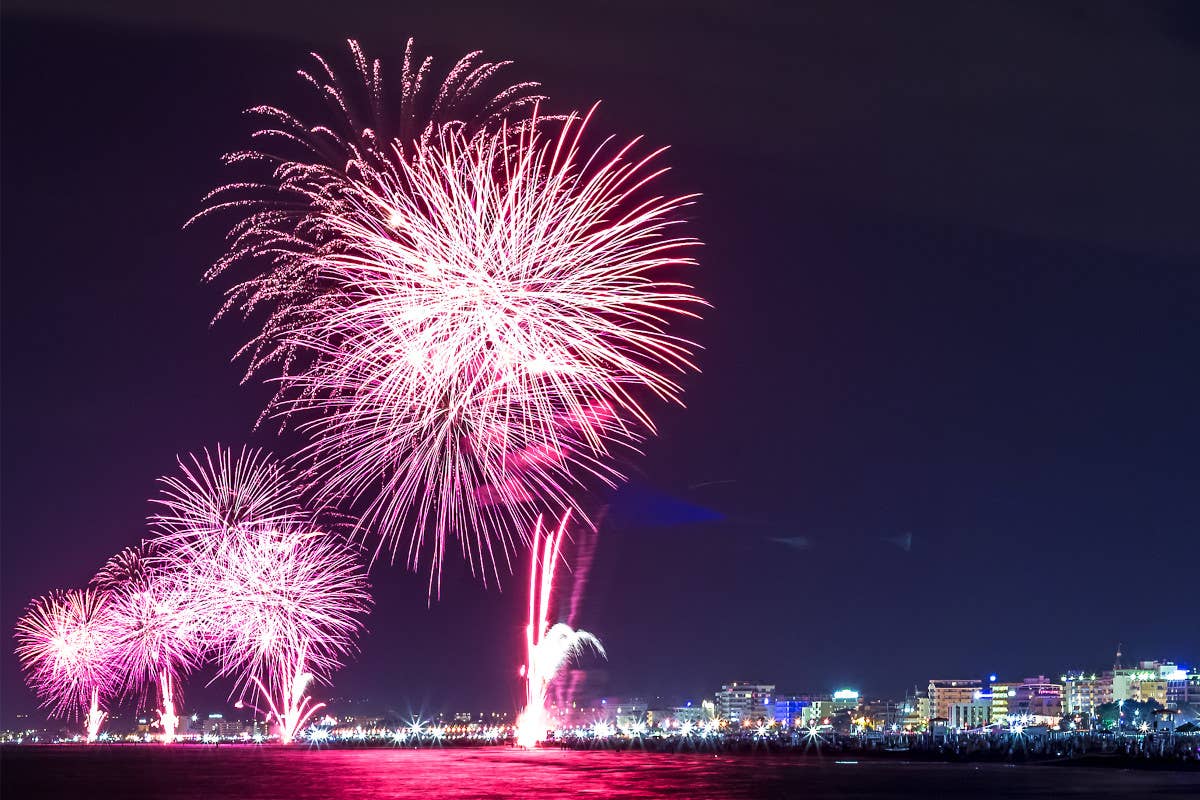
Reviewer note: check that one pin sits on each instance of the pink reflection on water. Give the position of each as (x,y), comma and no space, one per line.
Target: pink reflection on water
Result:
(186,772)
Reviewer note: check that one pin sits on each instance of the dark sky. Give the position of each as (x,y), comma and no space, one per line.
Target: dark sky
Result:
(954,254)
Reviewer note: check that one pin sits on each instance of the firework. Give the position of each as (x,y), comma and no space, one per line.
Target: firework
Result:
(547,648)
(468,320)
(64,643)
(129,570)
(281,600)
(155,628)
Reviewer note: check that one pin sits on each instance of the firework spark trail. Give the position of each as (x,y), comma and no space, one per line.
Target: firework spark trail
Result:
(64,643)
(155,628)
(467,312)
(95,717)
(282,600)
(547,648)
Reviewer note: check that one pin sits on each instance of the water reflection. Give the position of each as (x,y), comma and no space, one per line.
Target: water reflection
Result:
(262,773)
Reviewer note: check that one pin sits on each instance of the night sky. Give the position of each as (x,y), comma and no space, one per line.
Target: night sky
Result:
(954,256)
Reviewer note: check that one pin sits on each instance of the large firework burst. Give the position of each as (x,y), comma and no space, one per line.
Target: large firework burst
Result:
(485,308)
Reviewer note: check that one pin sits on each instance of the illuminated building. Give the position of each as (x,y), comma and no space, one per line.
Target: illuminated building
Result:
(968,716)
(823,709)
(1149,680)
(1039,698)
(1183,686)
(627,712)
(914,712)
(1153,689)
(943,693)
(1082,693)
(998,696)
(688,712)
(216,725)
(924,709)
(790,710)
(742,702)
(882,713)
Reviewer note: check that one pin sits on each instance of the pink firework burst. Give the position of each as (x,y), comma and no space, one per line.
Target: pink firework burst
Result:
(65,645)
(289,604)
(500,307)
(281,591)
(156,627)
(282,601)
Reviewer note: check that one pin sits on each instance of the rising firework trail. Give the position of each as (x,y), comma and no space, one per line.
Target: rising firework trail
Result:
(64,643)
(282,600)
(547,648)
(469,320)
(155,628)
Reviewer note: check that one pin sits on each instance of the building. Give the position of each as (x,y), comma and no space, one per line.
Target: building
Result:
(1191,688)
(822,709)
(943,693)
(1039,698)
(218,726)
(688,712)
(969,716)
(628,712)
(914,712)
(1149,680)
(746,702)
(1153,689)
(882,714)
(1083,693)
(999,695)
(1178,680)
(789,710)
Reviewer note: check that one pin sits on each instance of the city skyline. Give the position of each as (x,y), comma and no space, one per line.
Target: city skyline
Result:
(847,694)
